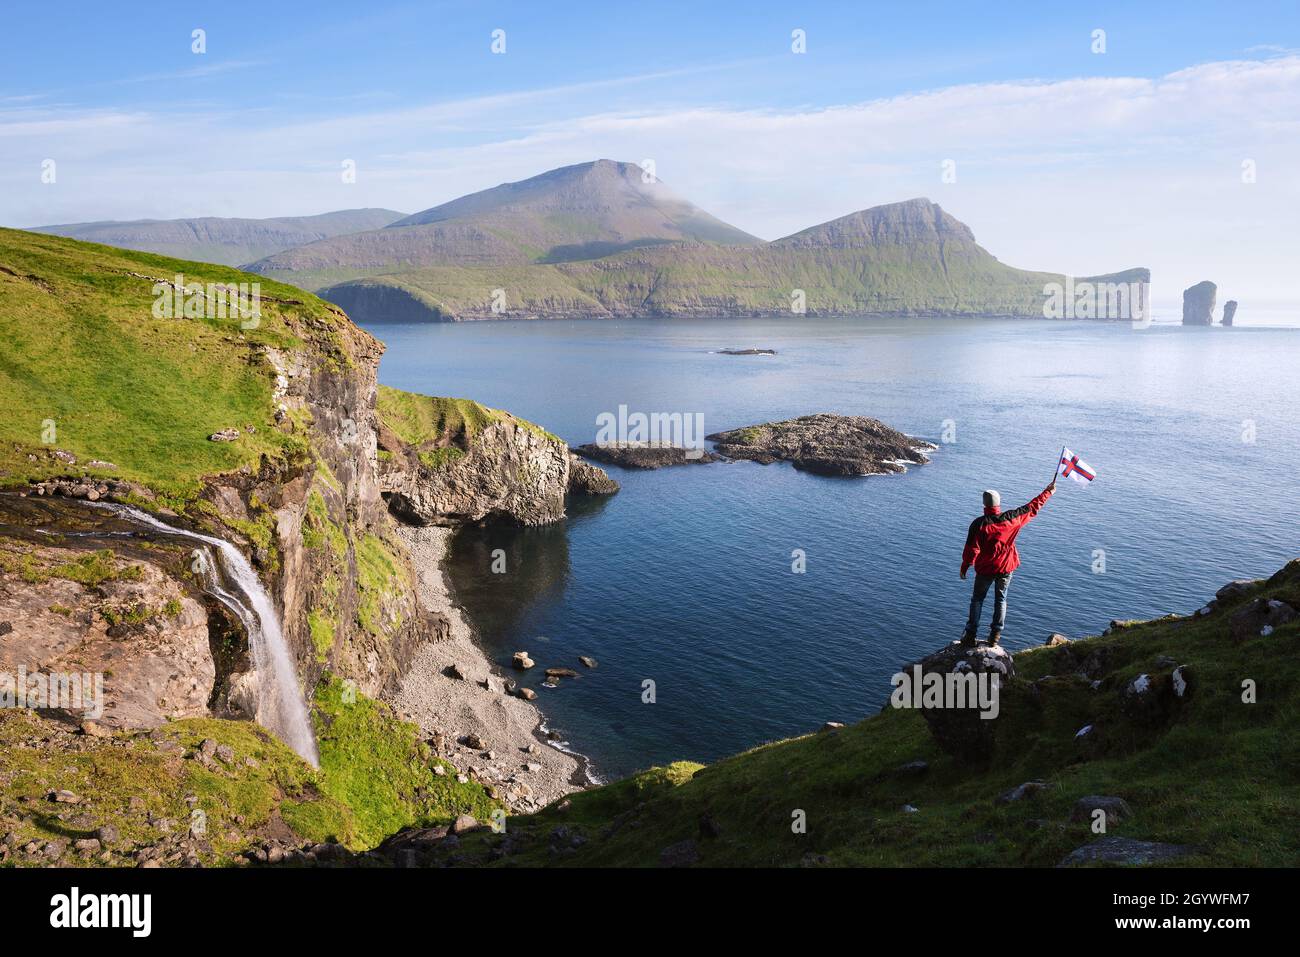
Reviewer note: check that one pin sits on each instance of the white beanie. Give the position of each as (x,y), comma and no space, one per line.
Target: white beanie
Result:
(991,498)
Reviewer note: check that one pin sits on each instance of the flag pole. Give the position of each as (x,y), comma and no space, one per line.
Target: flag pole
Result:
(1057,470)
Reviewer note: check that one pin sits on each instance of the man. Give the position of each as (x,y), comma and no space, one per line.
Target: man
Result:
(991,548)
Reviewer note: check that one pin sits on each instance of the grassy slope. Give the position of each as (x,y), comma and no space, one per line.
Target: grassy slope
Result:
(432,421)
(1224,776)
(951,278)
(77,326)
(376,776)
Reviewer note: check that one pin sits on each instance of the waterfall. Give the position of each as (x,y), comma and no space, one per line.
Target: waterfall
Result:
(280,707)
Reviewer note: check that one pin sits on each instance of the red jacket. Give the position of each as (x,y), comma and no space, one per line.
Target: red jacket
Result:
(991,541)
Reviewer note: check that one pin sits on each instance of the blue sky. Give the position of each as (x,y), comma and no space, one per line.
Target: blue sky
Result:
(1066,159)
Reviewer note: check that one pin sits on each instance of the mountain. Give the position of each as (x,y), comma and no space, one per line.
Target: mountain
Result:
(227,242)
(573,213)
(908,258)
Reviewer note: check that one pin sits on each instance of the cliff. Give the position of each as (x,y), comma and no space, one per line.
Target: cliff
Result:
(453,462)
(136,446)
(104,400)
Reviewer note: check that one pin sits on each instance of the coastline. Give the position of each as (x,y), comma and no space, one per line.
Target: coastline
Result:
(518,762)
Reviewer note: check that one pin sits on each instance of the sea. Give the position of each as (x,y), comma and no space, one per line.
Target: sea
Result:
(732,604)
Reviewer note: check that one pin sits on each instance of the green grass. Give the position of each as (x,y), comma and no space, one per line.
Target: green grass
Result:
(1224,776)
(376,776)
(91,569)
(379,769)
(442,429)
(420,419)
(380,576)
(321,625)
(953,279)
(77,321)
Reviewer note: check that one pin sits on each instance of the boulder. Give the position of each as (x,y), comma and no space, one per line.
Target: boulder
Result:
(1198,303)
(1125,851)
(1020,792)
(682,854)
(1153,698)
(588,479)
(586,661)
(1115,808)
(1054,639)
(522,661)
(561,673)
(1259,617)
(464,824)
(961,731)
(1229,311)
(1237,588)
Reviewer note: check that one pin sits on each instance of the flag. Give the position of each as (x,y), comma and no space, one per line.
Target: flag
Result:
(1075,467)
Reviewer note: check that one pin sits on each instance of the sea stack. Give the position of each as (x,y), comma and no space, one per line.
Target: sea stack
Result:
(1229,310)
(1198,304)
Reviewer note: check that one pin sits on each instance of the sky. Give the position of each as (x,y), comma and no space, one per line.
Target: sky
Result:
(1171,140)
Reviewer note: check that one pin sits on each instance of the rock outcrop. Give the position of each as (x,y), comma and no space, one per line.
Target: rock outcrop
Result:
(1198,304)
(961,728)
(644,455)
(588,479)
(1125,851)
(507,472)
(129,621)
(1229,311)
(826,444)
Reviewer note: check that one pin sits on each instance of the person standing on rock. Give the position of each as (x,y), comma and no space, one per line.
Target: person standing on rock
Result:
(991,548)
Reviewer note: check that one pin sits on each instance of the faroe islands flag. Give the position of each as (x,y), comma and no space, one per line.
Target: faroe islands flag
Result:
(1074,467)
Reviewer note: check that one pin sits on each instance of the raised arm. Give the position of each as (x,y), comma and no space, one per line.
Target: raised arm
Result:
(1031,508)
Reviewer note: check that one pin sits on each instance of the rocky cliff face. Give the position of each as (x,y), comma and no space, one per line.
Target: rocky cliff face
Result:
(452,462)
(320,530)
(294,485)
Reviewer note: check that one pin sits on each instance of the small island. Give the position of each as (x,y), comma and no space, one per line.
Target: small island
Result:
(826,444)
(644,455)
(746,352)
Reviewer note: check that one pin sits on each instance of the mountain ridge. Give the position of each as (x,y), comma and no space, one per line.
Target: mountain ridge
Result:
(222,240)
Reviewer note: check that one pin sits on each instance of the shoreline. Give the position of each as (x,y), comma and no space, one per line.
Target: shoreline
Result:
(523,767)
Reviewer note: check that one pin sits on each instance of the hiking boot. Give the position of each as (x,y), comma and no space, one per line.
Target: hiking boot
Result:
(994,638)
(968,640)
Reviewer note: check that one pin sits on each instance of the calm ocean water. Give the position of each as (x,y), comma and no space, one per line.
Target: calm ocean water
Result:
(685,576)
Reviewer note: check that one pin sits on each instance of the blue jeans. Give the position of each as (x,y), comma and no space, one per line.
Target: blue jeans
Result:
(982,582)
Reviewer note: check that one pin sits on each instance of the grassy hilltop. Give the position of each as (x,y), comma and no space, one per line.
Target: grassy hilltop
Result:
(84,353)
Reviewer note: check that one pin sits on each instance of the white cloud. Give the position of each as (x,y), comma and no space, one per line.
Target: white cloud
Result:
(1082,175)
